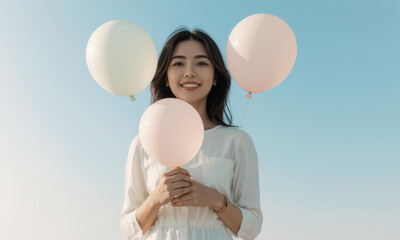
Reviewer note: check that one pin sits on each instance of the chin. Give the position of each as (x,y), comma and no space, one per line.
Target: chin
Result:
(189,100)
(192,100)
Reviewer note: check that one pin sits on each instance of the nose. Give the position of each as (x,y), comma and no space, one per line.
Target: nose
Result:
(190,71)
(189,75)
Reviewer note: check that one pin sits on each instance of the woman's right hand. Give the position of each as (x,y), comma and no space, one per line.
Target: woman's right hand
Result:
(173,183)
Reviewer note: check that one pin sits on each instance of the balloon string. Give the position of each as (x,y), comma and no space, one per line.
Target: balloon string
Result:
(244,113)
(133,99)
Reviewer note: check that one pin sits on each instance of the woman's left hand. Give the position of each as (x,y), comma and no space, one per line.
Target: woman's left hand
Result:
(199,196)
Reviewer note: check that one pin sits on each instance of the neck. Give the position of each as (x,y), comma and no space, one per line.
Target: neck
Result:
(201,108)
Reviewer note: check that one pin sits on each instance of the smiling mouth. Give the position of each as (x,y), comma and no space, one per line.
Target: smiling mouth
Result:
(190,85)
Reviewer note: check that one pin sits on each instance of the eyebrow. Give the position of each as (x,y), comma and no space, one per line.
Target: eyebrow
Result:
(197,56)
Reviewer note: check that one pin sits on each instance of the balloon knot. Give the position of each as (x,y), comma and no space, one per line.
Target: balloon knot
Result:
(249,95)
(133,98)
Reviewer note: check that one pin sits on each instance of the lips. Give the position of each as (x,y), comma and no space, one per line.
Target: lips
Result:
(190,84)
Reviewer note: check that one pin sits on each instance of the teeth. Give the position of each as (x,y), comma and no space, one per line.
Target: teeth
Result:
(190,85)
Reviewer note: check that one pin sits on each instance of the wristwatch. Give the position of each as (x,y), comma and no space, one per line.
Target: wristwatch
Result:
(224,206)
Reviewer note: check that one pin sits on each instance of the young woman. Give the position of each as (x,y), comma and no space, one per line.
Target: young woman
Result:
(215,195)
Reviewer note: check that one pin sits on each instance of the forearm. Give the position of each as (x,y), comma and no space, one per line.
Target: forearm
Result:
(147,212)
(232,215)
(173,183)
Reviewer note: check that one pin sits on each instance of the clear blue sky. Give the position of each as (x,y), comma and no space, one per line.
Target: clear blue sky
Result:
(328,137)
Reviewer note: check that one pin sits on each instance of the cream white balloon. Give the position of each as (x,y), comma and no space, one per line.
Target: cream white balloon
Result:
(121,57)
(171,132)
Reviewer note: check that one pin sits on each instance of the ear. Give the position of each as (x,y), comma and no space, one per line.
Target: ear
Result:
(214,82)
(167,82)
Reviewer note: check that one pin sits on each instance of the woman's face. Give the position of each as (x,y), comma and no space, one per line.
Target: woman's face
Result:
(190,73)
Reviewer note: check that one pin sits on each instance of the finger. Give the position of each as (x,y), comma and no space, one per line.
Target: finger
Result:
(179,192)
(179,177)
(182,203)
(180,171)
(177,170)
(194,182)
(179,184)
(182,198)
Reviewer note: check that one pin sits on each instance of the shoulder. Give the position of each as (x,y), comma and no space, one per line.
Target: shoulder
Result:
(136,155)
(135,141)
(241,146)
(233,137)
(136,146)
(235,133)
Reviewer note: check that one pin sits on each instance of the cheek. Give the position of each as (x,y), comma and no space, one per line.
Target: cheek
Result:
(210,72)
(173,81)
(208,76)
(173,75)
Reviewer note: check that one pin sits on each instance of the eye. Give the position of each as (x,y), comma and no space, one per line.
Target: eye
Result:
(177,64)
(202,63)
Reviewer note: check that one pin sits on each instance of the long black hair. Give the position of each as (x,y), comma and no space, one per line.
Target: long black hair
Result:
(217,99)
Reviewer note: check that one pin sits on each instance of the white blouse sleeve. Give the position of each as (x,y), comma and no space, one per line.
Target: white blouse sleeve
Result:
(135,192)
(246,190)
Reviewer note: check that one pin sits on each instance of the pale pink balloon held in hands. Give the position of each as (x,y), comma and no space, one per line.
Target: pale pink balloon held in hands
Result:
(171,132)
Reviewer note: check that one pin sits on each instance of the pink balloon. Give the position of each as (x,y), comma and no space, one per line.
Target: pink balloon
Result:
(171,132)
(260,52)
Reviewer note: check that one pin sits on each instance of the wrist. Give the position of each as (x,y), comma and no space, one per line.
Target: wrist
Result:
(224,206)
(154,201)
(218,202)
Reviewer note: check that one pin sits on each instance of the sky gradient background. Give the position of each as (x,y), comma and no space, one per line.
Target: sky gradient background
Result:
(328,137)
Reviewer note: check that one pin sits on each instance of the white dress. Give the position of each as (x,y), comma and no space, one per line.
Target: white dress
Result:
(227,162)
